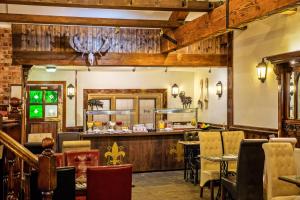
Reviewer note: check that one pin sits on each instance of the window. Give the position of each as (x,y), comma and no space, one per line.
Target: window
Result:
(43,104)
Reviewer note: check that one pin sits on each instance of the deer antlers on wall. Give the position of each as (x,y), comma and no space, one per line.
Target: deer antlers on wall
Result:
(81,45)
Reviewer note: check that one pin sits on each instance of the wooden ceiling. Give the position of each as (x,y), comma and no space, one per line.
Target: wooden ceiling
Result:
(176,32)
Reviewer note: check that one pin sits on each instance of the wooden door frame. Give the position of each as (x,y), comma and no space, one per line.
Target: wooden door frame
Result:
(63,83)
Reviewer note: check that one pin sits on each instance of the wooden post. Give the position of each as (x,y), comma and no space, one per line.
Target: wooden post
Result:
(47,170)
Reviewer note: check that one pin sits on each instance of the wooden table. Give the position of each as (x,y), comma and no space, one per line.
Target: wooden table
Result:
(191,149)
(293,179)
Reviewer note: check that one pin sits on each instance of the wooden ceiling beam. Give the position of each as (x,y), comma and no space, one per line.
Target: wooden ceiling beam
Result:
(43,19)
(121,59)
(214,22)
(156,5)
(176,16)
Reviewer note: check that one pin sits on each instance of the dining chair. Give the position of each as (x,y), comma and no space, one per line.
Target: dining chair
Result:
(248,182)
(76,145)
(210,145)
(280,162)
(109,182)
(293,141)
(231,145)
(81,160)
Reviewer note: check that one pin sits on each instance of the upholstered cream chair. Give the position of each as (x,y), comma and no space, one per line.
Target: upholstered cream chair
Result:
(210,145)
(76,145)
(293,141)
(279,159)
(231,144)
(38,137)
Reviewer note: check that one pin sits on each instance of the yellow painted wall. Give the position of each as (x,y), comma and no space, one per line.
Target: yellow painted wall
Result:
(255,103)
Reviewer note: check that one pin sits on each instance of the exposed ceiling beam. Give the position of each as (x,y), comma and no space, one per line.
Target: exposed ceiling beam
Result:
(158,5)
(43,19)
(176,16)
(214,22)
(121,59)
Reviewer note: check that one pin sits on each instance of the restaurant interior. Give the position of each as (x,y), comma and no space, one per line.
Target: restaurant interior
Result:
(144,100)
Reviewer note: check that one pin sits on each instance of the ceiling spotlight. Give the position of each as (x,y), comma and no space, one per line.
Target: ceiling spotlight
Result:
(166,70)
(51,68)
(134,69)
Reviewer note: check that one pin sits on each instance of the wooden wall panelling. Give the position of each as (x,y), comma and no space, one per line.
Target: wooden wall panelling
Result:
(56,38)
(214,45)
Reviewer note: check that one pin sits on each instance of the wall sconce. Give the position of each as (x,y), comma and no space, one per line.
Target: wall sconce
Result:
(70,91)
(175,90)
(261,70)
(219,89)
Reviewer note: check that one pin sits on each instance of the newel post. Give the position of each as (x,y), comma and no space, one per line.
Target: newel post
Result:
(47,170)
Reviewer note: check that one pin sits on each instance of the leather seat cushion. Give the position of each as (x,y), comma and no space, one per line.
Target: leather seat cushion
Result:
(230,185)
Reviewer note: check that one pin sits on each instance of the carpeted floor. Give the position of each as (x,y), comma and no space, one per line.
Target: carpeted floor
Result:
(165,186)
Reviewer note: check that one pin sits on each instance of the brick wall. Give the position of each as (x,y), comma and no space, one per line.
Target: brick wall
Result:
(9,74)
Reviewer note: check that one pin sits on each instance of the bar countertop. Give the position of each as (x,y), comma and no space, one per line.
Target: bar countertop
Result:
(141,134)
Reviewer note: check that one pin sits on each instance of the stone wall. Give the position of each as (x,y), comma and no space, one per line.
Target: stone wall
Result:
(9,74)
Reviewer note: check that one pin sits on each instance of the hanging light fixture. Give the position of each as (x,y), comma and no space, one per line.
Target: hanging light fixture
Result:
(219,89)
(261,70)
(175,90)
(70,91)
(51,68)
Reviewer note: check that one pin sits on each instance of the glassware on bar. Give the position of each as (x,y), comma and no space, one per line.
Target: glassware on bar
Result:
(90,125)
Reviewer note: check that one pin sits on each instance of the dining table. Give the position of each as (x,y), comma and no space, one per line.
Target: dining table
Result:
(223,160)
(190,150)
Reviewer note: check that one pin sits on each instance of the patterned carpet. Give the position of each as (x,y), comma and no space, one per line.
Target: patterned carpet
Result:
(165,186)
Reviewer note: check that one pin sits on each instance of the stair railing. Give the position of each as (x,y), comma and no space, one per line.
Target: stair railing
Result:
(45,163)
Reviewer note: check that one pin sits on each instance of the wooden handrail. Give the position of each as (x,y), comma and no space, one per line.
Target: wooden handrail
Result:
(19,150)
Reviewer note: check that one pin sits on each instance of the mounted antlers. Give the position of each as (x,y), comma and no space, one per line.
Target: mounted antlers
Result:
(82,46)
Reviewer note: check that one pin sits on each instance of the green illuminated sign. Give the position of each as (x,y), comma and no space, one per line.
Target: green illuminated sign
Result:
(51,96)
(36,96)
(35,111)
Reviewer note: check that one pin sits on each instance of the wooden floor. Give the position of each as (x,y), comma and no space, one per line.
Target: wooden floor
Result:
(165,186)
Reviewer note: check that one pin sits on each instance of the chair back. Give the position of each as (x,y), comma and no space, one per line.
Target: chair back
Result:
(250,169)
(81,160)
(293,141)
(34,147)
(60,159)
(279,162)
(66,136)
(65,188)
(76,145)
(231,141)
(210,145)
(38,137)
(109,182)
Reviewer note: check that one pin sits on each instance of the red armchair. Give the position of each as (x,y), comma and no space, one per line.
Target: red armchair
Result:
(109,182)
(60,159)
(81,160)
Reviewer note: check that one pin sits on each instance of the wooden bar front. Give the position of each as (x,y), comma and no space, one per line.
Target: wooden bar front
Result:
(155,151)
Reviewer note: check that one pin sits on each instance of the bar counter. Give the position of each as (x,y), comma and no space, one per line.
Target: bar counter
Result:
(153,151)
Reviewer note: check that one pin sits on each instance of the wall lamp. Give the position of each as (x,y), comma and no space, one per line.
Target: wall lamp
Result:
(70,91)
(261,70)
(219,89)
(175,90)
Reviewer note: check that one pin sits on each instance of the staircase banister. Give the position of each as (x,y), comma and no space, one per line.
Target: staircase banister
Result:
(19,150)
